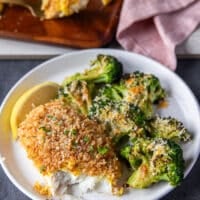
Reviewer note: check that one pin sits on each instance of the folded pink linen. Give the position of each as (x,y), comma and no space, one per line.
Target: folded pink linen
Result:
(154,27)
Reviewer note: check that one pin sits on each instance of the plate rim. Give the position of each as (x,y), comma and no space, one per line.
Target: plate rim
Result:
(78,52)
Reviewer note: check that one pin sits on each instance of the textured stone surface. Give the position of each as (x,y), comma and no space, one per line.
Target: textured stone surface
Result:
(189,70)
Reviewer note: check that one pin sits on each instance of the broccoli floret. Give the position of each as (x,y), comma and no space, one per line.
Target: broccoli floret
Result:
(142,90)
(169,128)
(114,92)
(79,93)
(120,118)
(154,160)
(148,83)
(104,69)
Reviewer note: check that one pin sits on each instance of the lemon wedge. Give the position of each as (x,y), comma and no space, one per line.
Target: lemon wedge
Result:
(36,95)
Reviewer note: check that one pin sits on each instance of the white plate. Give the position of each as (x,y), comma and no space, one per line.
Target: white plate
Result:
(183,106)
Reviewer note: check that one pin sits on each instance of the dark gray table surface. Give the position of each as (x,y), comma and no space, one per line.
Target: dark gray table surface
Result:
(188,69)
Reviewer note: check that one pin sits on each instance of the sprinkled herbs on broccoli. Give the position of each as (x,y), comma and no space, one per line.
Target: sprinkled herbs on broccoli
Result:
(154,160)
(169,128)
(142,90)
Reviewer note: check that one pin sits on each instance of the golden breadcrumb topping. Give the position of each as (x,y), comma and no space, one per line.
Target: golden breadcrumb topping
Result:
(61,8)
(56,137)
(43,190)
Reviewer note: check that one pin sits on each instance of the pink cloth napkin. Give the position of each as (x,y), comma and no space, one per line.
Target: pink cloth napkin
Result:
(154,27)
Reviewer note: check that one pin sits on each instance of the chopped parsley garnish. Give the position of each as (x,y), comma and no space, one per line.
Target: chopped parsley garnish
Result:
(74,144)
(66,132)
(45,129)
(91,149)
(103,150)
(74,132)
(86,139)
(51,117)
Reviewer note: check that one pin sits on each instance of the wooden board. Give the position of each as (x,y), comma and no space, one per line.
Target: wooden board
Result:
(93,27)
(15,49)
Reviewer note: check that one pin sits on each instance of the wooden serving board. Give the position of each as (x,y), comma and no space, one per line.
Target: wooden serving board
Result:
(92,27)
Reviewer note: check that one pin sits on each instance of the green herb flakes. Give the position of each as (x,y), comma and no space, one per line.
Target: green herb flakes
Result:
(91,149)
(74,144)
(45,129)
(66,132)
(52,117)
(74,132)
(86,139)
(102,150)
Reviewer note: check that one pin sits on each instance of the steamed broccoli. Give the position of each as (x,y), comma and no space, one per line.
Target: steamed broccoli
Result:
(142,90)
(79,93)
(154,160)
(104,69)
(169,128)
(120,118)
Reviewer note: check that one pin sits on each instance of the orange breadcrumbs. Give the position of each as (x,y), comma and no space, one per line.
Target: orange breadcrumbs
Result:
(43,190)
(163,104)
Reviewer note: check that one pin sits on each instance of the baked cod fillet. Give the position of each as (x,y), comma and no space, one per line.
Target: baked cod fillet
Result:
(69,148)
(62,8)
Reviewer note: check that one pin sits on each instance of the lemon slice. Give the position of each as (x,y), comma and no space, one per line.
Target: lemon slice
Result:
(36,95)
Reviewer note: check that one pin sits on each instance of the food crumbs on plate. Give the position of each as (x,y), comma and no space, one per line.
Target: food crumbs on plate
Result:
(163,104)
(41,189)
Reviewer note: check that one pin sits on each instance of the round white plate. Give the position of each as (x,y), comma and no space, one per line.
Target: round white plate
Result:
(182,105)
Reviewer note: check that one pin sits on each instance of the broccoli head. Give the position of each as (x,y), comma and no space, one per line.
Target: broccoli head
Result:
(154,160)
(104,69)
(80,93)
(150,84)
(114,92)
(169,128)
(142,90)
(120,118)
